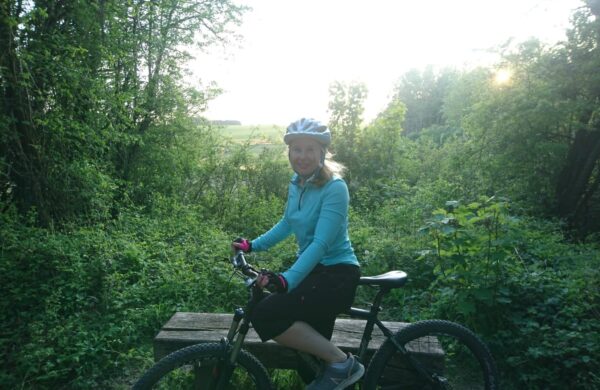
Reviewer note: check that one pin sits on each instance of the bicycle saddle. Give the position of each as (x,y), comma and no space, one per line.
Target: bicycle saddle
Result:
(392,279)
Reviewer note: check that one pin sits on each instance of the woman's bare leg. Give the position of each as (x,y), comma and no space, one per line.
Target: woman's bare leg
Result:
(305,338)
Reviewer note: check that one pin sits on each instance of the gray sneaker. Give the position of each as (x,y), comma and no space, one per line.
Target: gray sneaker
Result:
(337,379)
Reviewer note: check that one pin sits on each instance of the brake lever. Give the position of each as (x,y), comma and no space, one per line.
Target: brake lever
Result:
(250,282)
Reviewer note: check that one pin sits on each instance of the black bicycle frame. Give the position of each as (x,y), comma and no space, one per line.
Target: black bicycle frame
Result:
(371,317)
(232,344)
(241,324)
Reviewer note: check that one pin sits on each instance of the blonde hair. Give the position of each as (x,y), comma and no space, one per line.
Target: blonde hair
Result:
(330,169)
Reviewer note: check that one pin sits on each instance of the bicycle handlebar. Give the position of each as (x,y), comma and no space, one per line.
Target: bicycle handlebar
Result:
(238,260)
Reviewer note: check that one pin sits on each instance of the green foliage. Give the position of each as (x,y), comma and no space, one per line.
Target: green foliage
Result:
(346,107)
(423,94)
(521,287)
(118,203)
(89,89)
(381,144)
(78,304)
(238,190)
(472,256)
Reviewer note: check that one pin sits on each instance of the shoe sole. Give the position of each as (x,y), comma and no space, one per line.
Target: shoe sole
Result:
(352,379)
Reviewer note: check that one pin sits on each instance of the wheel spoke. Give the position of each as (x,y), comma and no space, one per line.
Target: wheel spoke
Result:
(200,367)
(440,355)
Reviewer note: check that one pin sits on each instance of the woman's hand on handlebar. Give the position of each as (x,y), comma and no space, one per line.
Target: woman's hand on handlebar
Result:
(272,281)
(242,244)
(262,280)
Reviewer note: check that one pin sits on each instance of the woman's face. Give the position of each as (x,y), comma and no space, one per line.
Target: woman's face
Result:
(305,155)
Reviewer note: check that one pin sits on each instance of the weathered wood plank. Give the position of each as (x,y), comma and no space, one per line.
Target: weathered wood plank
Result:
(197,321)
(185,329)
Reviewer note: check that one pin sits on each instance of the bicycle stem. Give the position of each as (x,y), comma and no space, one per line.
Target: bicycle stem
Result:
(237,317)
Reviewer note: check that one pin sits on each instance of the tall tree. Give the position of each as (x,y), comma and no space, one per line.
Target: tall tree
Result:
(82,83)
(49,114)
(577,186)
(536,138)
(423,92)
(346,108)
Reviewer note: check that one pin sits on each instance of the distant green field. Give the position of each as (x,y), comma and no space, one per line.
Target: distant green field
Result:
(260,137)
(255,133)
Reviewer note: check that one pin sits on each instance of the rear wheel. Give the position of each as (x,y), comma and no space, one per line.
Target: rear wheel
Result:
(201,366)
(450,357)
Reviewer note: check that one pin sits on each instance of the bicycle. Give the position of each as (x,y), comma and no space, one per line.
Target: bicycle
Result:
(404,360)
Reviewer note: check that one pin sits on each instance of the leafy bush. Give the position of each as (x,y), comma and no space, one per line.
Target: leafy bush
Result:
(79,304)
(522,287)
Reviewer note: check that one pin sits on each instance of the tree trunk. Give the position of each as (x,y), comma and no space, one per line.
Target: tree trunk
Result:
(20,154)
(576,184)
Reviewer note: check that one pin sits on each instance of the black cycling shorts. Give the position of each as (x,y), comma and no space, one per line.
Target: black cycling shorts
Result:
(326,292)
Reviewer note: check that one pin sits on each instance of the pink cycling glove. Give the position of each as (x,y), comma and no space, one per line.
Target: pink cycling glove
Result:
(242,244)
(277,283)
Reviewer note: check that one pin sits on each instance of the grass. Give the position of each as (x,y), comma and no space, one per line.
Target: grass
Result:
(259,137)
(255,133)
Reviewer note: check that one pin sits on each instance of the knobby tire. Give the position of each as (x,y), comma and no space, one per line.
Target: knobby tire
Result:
(198,366)
(446,350)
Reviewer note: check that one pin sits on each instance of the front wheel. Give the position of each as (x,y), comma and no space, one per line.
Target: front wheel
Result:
(201,366)
(439,355)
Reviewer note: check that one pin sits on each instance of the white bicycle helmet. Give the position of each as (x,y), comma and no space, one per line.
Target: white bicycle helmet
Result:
(310,128)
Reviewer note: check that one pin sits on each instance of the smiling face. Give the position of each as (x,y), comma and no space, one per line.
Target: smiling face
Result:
(305,156)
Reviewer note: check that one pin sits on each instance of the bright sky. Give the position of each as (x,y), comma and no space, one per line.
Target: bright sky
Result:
(294,49)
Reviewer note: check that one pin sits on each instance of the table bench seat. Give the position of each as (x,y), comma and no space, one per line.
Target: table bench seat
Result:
(185,328)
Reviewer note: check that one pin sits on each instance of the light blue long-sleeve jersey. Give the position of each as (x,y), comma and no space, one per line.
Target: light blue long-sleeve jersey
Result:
(318,217)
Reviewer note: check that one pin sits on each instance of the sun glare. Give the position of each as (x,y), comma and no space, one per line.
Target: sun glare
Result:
(502,76)
(256,85)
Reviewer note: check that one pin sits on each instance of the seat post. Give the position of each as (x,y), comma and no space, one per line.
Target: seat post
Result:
(376,305)
(371,320)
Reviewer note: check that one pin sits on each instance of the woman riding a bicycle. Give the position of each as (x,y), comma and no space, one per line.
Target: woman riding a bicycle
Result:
(322,282)
(428,354)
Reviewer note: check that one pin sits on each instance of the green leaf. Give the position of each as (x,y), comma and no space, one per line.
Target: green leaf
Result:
(466,307)
(586,359)
(483,294)
(446,229)
(474,205)
(452,203)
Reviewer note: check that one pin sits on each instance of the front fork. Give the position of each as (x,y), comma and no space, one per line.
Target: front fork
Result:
(232,344)
(231,348)
(238,314)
